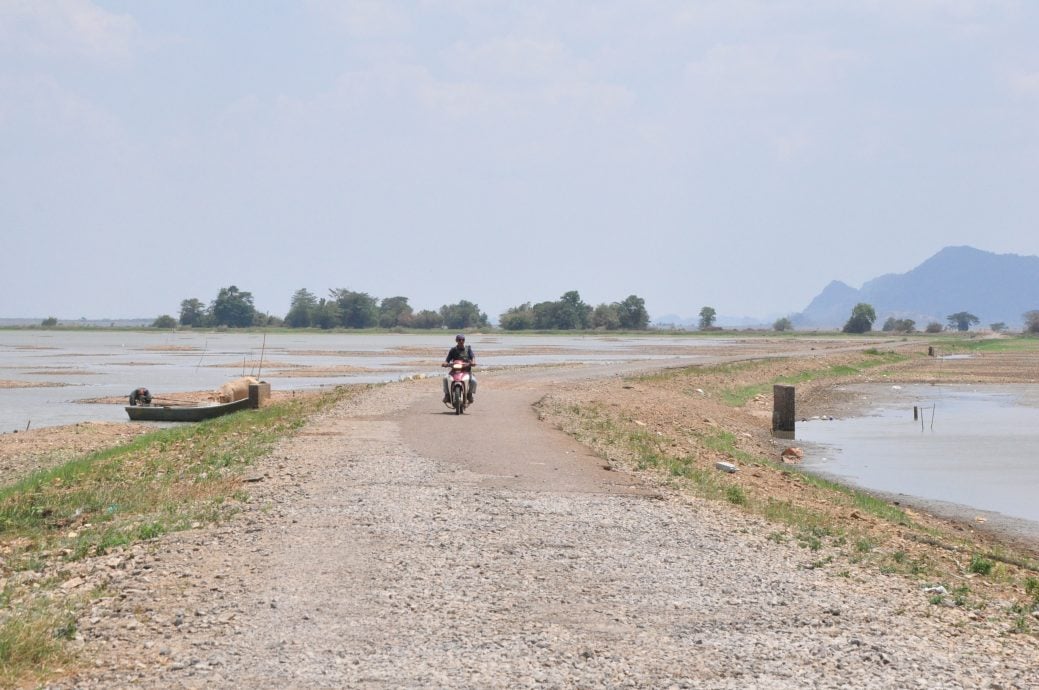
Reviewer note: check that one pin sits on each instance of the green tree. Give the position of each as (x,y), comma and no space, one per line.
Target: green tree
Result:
(573,313)
(607,316)
(861,320)
(301,309)
(633,314)
(933,327)
(782,324)
(962,320)
(546,316)
(519,318)
(192,313)
(463,315)
(233,307)
(707,317)
(1031,319)
(899,325)
(165,321)
(998,327)
(326,315)
(356,309)
(49,322)
(427,318)
(395,311)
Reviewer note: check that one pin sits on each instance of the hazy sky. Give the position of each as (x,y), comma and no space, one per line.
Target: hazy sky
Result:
(737,154)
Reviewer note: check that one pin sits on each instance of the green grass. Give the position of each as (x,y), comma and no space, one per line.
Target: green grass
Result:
(980,565)
(960,343)
(158,483)
(32,639)
(740,396)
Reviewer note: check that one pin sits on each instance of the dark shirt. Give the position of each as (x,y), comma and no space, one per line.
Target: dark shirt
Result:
(142,396)
(464,353)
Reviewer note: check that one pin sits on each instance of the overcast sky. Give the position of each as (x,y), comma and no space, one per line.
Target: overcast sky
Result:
(736,154)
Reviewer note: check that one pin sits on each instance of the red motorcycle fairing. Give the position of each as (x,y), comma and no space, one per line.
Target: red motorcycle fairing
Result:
(459,385)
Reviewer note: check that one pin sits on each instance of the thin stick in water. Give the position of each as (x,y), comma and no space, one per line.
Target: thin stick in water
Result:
(263,346)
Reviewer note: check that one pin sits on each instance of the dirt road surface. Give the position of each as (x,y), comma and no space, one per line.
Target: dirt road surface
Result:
(393,544)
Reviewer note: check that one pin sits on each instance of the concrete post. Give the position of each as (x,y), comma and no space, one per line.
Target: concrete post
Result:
(259,393)
(783,412)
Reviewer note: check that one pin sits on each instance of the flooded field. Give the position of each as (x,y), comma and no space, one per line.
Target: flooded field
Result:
(45,375)
(972,445)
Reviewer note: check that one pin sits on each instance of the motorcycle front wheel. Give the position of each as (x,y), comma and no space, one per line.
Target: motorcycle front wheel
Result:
(457,400)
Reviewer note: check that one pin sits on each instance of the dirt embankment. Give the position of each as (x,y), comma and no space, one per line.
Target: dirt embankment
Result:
(691,409)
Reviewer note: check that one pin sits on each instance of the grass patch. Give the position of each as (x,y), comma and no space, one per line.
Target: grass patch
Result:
(735,495)
(970,344)
(980,565)
(1032,589)
(33,639)
(154,484)
(739,396)
(158,483)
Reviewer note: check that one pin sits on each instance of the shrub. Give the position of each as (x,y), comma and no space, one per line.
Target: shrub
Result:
(980,565)
(165,321)
(1031,321)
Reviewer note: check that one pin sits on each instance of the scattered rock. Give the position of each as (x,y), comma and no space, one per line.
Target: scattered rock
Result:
(72,583)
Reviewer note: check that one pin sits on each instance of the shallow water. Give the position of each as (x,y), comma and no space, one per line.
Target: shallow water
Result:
(973,446)
(99,364)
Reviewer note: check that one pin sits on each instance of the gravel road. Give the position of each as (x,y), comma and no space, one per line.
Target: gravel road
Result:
(393,545)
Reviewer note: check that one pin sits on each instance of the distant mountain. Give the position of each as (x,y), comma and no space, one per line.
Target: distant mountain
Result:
(993,287)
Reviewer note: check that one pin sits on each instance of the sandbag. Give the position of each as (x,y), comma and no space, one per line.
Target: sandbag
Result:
(235,390)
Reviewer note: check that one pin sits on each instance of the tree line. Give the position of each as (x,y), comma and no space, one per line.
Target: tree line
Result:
(863,316)
(343,308)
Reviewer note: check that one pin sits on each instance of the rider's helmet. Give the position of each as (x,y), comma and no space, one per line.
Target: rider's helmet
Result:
(460,338)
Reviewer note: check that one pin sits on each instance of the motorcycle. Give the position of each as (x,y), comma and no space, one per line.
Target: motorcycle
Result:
(458,385)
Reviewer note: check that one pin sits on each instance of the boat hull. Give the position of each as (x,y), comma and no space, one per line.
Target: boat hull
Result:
(186,413)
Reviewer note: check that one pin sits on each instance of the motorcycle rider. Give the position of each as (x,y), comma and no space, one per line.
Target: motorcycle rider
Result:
(465,353)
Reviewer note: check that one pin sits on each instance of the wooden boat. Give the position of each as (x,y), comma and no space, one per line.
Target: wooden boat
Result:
(184,413)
